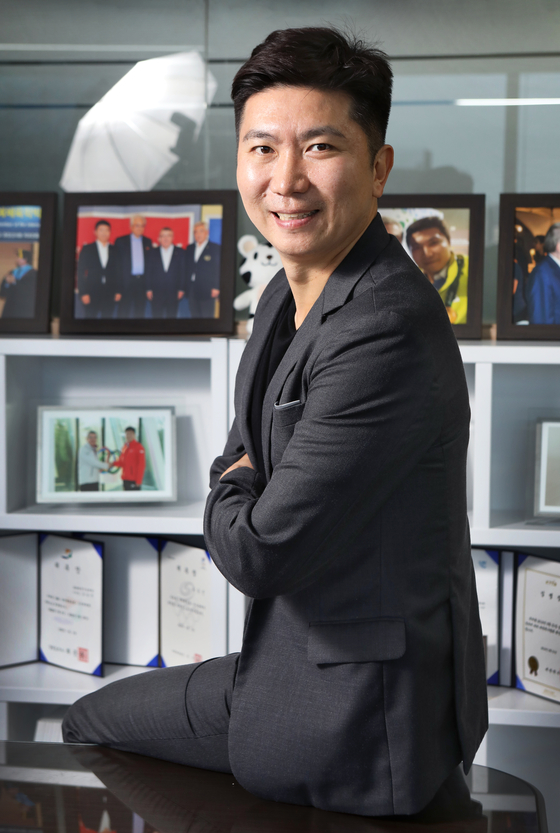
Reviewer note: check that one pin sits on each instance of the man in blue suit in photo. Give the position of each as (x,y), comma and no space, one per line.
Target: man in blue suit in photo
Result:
(544,293)
(133,251)
(165,276)
(202,277)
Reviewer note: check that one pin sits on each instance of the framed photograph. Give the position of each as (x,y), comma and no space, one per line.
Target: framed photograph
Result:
(26,241)
(160,262)
(101,455)
(547,469)
(529,267)
(444,235)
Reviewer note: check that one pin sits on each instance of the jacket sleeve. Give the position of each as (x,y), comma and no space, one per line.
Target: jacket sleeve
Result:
(82,272)
(140,465)
(372,410)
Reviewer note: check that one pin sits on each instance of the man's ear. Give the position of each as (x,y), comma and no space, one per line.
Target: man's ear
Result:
(382,165)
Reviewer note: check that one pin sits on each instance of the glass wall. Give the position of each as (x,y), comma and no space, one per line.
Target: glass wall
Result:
(59,57)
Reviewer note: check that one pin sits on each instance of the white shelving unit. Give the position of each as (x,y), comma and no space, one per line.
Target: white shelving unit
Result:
(510,386)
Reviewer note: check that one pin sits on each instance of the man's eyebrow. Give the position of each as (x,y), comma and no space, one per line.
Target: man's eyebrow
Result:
(312,133)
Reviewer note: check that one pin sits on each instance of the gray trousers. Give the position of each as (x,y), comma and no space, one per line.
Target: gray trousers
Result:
(178,714)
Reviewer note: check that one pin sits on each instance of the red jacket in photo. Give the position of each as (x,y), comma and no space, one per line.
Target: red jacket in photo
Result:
(132,461)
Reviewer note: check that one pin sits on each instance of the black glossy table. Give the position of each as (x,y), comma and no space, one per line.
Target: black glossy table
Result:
(88,789)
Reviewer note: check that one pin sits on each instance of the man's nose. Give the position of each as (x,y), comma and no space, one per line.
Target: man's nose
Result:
(289,174)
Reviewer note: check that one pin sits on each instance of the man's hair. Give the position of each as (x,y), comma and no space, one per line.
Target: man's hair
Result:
(89,433)
(326,59)
(552,238)
(102,223)
(166,228)
(130,428)
(539,238)
(426,223)
(137,217)
(26,255)
(200,223)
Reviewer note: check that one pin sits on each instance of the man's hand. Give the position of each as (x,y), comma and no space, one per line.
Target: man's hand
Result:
(244,461)
(215,293)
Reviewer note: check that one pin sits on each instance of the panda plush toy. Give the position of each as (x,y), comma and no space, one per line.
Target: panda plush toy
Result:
(261,263)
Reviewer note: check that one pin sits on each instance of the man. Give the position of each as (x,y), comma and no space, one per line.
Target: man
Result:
(429,243)
(165,276)
(132,461)
(98,282)
(339,503)
(202,273)
(89,465)
(543,299)
(133,250)
(19,288)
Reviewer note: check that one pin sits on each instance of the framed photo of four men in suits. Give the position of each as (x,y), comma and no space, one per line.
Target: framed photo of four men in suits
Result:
(159,263)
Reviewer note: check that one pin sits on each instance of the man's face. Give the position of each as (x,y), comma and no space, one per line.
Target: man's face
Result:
(304,172)
(430,250)
(130,435)
(137,226)
(103,233)
(21,261)
(165,238)
(200,234)
(92,439)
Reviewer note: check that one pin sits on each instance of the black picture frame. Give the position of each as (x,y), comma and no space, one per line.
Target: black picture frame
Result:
(514,246)
(39,321)
(222,324)
(475,204)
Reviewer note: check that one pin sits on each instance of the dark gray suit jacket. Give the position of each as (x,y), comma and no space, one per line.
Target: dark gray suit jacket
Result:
(361,681)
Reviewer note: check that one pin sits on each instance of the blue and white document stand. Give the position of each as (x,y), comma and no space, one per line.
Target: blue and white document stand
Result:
(131,604)
(18,611)
(192,606)
(538,627)
(487,572)
(71,633)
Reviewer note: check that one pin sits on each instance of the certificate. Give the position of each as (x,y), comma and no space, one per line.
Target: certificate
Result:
(192,606)
(71,604)
(538,627)
(486,570)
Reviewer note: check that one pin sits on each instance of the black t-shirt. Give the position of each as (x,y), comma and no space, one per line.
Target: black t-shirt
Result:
(279,340)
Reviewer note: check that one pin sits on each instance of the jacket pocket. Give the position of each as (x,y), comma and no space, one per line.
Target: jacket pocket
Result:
(358,640)
(287,414)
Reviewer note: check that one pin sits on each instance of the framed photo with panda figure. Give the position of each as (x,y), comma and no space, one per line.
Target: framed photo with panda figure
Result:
(160,263)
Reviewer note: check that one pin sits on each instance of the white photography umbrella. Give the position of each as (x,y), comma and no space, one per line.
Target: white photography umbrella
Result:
(124,142)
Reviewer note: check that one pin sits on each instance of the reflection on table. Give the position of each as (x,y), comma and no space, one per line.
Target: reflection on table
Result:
(89,789)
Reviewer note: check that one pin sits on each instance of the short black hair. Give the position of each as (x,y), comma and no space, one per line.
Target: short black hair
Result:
(323,58)
(425,223)
(130,428)
(26,254)
(102,223)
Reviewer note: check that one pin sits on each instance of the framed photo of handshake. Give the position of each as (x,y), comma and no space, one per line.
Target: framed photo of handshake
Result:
(156,262)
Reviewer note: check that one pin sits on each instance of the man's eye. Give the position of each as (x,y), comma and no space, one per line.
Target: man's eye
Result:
(263,150)
(320,146)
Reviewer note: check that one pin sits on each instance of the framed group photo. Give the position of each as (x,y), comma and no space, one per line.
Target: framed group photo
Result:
(26,241)
(106,455)
(156,262)
(444,235)
(529,267)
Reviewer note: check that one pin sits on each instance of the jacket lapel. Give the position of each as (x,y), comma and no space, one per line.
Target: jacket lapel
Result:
(251,357)
(338,289)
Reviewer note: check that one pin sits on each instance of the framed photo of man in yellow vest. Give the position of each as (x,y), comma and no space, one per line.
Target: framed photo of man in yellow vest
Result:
(444,236)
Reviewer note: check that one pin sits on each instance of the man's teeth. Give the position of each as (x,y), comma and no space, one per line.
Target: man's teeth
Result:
(294,216)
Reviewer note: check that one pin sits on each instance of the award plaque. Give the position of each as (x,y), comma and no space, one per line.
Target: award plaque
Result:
(71,604)
(192,606)
(538,627)
(486,570)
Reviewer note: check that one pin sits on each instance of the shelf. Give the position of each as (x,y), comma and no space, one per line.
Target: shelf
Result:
(121,348)
(513,707)
(180,518)
(39,682)
(510,352)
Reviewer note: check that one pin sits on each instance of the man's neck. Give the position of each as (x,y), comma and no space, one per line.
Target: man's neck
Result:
(307,281)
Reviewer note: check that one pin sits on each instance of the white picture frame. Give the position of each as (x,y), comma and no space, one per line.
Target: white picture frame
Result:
(547,469)
(65,460)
